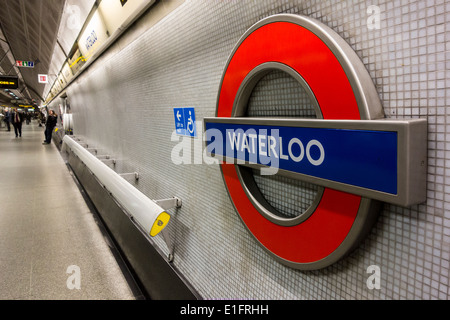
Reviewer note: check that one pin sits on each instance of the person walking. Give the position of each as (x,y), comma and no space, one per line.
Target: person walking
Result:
(17,119)
(50,124)
(7,119)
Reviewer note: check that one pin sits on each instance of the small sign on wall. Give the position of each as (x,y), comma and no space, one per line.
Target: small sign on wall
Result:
(185,121)
(42,78)
(9,82)
(26,64)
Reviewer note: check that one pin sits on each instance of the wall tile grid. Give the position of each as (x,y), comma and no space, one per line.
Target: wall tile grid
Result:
(179,62)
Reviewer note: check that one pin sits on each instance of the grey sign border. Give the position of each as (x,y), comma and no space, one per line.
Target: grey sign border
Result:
(411,154)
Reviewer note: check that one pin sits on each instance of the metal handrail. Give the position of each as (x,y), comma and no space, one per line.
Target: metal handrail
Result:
(151,217)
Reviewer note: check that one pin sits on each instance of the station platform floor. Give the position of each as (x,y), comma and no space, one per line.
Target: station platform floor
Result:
(52,244)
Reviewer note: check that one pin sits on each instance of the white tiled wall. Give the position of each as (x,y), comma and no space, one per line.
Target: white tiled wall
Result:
(124,104)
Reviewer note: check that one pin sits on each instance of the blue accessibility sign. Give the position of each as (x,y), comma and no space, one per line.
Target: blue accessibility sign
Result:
(185,121)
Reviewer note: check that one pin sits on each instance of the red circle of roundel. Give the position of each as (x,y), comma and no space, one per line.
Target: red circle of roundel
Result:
(295,46)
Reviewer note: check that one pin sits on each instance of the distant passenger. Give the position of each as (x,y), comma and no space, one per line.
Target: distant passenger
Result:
(17,119)
(41,119)
(7,119)
(49,126)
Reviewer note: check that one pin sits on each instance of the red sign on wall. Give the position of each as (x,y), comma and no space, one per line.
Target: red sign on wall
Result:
(42,78)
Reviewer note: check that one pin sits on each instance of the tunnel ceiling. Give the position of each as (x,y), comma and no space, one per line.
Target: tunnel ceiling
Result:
(29,29)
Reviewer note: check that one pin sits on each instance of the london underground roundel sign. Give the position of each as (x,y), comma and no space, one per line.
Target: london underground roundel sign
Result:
(357,158)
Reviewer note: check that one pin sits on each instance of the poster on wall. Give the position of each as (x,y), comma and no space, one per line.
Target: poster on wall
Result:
(93,36)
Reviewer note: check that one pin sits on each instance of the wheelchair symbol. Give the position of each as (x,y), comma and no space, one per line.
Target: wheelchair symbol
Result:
(190,124)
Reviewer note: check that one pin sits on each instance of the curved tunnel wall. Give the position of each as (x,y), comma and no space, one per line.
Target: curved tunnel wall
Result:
(123,105)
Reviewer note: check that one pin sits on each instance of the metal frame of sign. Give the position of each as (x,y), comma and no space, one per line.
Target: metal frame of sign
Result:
(341,89)
(411,151)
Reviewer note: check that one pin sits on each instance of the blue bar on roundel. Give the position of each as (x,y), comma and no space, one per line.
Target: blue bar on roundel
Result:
(362,158)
